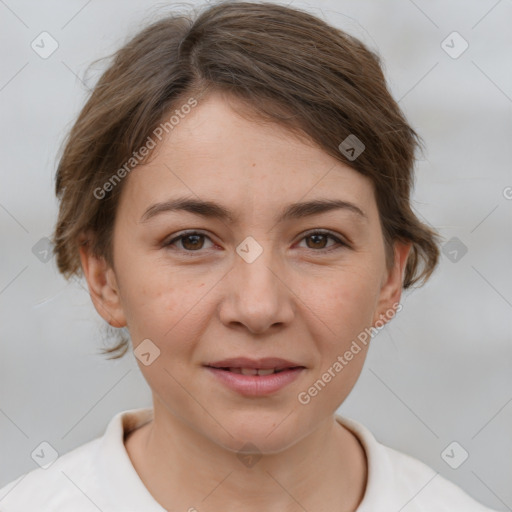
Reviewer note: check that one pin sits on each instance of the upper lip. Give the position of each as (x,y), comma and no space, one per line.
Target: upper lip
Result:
(263,363)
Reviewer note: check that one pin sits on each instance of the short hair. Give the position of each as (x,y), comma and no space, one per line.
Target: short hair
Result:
(286,66)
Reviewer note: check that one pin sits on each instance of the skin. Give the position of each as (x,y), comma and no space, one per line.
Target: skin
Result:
(302,299)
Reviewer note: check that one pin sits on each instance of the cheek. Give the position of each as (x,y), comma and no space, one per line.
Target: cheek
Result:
(163,306)
(349,301)
(346,308)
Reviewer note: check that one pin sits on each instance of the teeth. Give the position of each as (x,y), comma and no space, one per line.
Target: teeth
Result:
(248,371)
(266,372)
(253,371)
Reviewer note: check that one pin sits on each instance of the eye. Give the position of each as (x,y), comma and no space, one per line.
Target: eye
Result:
(191,241)
(319,239)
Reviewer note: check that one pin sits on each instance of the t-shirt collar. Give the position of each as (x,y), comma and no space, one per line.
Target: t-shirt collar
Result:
(379,485)
(127,492)
(123,485)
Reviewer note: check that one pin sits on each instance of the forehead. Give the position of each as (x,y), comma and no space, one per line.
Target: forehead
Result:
(214,153)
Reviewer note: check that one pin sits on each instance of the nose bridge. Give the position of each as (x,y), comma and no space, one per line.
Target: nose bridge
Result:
(259,297)
(256,264)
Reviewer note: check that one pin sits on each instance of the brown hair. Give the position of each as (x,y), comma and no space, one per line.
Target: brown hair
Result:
(287,66)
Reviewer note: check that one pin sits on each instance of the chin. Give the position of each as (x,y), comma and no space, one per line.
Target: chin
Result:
(269,432)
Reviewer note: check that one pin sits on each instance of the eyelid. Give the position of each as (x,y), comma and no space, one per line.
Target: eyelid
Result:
(341,240)
(182,234)
(320,231)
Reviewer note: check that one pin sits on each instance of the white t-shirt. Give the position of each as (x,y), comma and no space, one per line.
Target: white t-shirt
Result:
(99,476)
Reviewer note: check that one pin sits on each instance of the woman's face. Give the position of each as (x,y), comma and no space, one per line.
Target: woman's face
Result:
(258,284)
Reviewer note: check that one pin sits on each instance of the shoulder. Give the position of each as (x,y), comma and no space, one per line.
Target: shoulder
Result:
(422,488)
(397,481)
(64,485)
(97,475)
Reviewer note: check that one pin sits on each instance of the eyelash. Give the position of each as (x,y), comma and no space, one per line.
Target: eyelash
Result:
(341,243)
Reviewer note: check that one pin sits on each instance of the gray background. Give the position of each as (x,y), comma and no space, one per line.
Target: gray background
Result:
(439,372)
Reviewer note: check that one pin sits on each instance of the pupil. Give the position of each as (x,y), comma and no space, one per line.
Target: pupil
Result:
(187,239)
(313,237)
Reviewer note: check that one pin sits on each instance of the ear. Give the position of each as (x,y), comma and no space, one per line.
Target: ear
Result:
(102,283)
(391,290)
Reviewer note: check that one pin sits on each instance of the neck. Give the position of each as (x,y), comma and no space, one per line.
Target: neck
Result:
(184,470)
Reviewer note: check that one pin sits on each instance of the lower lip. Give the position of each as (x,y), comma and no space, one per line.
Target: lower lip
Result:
(256,385)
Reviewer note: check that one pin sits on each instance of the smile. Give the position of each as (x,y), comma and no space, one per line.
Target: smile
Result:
(255,382)
(254,371)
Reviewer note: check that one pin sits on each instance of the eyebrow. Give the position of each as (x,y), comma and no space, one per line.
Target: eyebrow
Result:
(210,209)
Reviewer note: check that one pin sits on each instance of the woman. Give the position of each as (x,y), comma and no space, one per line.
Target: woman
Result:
(236,192)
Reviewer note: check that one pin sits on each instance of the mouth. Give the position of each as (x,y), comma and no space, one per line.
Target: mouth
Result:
(262,366)
(255,377)
(255,371)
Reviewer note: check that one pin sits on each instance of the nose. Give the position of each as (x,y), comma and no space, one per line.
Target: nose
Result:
(257,296)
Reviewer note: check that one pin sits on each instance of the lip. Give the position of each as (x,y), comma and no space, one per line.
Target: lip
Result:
(255,385)
(263,363)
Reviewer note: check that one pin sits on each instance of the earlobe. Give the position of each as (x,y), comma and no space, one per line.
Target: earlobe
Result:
(391,290)
(103,287)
